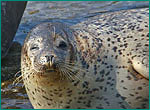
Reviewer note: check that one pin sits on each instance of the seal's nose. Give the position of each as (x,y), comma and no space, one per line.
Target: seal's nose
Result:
(50,60)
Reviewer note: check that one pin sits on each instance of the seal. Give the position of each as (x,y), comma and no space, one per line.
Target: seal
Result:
(101,63)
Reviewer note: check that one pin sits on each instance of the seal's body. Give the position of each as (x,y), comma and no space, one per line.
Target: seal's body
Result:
(94,64)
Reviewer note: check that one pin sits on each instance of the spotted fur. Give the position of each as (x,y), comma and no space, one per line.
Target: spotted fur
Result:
(114,48)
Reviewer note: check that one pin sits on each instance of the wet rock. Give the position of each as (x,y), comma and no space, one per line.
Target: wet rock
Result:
(10,65)
(12,12)
(14,96)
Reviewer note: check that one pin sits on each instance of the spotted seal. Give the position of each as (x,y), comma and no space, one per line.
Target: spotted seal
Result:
(101,63)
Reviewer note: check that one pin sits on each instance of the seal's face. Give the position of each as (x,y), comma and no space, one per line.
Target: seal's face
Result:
(49,48)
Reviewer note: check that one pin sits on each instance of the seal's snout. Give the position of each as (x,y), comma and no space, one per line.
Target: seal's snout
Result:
(49,60)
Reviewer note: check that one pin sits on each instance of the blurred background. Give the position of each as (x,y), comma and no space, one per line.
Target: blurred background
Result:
(69,12)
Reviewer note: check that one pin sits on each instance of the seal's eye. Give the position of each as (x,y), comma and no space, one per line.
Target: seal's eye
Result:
(34,47)
(62,45)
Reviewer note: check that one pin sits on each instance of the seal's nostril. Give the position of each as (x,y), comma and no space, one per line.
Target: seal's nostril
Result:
(49,58)
(52,57)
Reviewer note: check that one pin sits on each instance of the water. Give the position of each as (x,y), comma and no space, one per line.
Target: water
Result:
(14,97)
(68,12)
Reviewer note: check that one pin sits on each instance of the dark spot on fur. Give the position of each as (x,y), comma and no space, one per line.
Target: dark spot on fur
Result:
(108,39)
(117,95)
(48,104)
(33,98)
(46,98)
(102,72)
(131,94)
(105,89)
(125,88)
(123,98)
(84,37)
(28,89)
(95,89)
(70,91)
(108,104)
(99,107)
(33,92)
(136,93)
(99,80)
(67,107)
(76,83)
(128,77)
(39,104)
(78,101)
(114,48)
(85,84)
(140,30)
(139,97)
(139,88)
(107,73)
(112,42)
(101,87)
(109,78)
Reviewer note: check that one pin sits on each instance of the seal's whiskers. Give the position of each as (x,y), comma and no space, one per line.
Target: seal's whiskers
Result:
(17,80)
(20,78)
(71,72)
(62,73)
(17,73)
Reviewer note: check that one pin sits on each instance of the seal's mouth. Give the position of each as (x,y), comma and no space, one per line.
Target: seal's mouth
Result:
(50,70)
(61,70)
(50,66)
(46,68)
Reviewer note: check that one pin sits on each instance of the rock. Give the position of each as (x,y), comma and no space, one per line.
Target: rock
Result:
(12,12)
(10,65)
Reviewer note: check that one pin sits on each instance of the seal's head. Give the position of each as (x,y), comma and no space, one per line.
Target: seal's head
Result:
(50,47)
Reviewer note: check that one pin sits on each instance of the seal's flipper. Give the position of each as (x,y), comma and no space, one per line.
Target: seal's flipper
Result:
(141,65)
